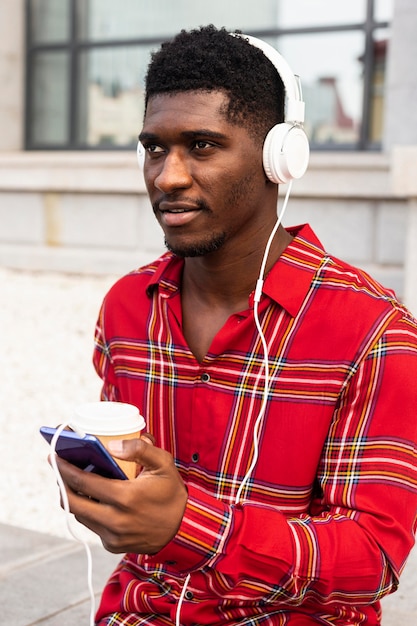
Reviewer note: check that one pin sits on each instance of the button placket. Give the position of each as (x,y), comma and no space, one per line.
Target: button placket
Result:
(203,377)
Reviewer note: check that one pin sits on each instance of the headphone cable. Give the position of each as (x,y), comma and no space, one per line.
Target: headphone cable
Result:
(65,505)
(257,297)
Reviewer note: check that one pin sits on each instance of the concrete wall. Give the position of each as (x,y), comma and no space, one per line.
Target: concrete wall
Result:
(11,74)
(404,181)
(75,212)
(401,82)
(89,212)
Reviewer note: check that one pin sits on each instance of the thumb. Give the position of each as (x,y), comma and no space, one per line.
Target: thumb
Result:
(142,450)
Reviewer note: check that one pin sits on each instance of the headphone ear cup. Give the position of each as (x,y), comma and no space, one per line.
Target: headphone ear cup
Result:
(140,153)
(286,153)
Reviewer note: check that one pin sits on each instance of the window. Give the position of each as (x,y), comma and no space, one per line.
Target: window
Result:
(86,61)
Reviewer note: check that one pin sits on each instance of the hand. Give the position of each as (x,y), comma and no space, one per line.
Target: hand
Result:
(140,515)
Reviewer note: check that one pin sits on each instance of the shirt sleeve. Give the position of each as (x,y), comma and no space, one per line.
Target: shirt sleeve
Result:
(353,544)
(103,363)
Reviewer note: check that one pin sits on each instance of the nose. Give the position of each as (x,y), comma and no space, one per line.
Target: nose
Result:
(174,173)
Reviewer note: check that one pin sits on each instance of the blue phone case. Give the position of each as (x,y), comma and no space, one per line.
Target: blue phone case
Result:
(87,453)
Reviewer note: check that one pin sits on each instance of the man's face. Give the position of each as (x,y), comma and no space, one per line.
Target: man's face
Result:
(203,174)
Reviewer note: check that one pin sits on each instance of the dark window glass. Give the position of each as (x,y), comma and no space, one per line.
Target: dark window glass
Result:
(49,112)
(295,13)
(110,98)
(87,59)
(377,85)
(384,10)
(332,82)
(102,20)
(49,20)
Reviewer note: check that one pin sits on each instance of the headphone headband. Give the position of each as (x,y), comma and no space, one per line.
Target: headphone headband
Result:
(286,149)
(294,105)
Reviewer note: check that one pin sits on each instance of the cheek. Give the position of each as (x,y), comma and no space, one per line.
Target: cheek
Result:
(149,178)
(243,189)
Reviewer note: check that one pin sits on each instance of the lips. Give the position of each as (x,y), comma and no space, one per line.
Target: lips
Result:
(172,206)
(177,213)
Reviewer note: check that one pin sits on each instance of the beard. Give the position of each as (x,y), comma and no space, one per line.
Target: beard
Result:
(210,243)
(195,249)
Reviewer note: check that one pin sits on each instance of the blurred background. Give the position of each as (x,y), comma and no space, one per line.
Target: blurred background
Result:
(71,80)
(73,208)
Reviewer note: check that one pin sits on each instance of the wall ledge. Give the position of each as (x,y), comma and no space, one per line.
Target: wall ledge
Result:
(70,172)
(404,171)
(330,174)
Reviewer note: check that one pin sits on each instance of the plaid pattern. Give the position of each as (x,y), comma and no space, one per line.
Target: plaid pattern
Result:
(327,519)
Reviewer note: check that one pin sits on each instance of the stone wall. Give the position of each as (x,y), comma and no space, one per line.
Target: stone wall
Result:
(88,212)
(12,70)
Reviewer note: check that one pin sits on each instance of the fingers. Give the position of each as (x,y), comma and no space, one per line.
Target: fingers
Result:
(142,451)
(140,515)
(83,485)
(116,492)
(148,437)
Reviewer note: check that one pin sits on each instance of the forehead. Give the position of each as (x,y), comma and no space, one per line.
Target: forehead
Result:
(191,109)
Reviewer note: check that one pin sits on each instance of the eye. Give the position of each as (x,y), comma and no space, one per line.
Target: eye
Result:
(200,144)
(153,148)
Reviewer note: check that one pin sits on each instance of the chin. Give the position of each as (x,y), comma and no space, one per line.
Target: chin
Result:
(196,249)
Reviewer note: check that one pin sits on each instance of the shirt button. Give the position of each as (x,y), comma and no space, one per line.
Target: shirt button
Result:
(195,457)
(205,377)
(189,595)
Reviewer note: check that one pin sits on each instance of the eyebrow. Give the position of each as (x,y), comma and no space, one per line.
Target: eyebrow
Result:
(145,136)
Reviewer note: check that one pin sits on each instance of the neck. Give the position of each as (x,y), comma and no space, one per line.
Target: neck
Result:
(226,280)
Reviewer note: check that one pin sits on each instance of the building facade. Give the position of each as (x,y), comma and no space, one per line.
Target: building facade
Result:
(71,196)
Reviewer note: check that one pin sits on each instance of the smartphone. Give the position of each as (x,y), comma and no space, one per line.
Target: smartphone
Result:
(87,452)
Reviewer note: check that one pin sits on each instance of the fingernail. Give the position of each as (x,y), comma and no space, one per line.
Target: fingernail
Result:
(115,446)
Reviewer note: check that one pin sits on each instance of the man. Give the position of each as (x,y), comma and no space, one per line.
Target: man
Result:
(297,511)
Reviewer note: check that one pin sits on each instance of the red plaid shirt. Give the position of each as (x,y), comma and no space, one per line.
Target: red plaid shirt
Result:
(326,521)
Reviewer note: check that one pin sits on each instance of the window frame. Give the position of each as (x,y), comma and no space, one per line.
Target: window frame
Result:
(74,46)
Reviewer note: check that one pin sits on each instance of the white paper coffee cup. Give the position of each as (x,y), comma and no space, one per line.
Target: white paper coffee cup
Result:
(108,421)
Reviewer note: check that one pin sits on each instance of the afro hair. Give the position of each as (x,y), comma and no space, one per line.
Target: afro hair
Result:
(209,59)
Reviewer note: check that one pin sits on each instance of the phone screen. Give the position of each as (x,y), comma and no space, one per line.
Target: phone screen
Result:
(87,453)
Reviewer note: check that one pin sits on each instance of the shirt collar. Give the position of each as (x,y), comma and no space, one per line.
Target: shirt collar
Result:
(290,279)
(287,283)
(166,274)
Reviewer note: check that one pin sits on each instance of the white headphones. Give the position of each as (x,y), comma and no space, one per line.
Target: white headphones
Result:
(286,149)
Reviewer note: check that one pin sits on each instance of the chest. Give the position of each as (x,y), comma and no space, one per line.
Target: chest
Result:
(201,322)
(204,411)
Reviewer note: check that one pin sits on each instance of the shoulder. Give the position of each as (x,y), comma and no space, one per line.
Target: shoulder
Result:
(364,309)
(326,285)
(346,301)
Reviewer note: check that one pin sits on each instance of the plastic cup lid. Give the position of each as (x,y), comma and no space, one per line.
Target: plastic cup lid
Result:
(108,418)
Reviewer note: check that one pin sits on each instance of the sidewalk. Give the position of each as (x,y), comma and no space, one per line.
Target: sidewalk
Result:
(47,323)
(43,582)
(43,579)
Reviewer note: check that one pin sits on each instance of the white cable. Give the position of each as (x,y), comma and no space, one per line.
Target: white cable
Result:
(257,297)
(181,600)
(65,504)
(64,496)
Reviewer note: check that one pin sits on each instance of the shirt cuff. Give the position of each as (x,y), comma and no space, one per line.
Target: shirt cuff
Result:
(200,534)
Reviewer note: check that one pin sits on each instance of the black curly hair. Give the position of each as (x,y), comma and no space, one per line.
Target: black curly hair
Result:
(209,59)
